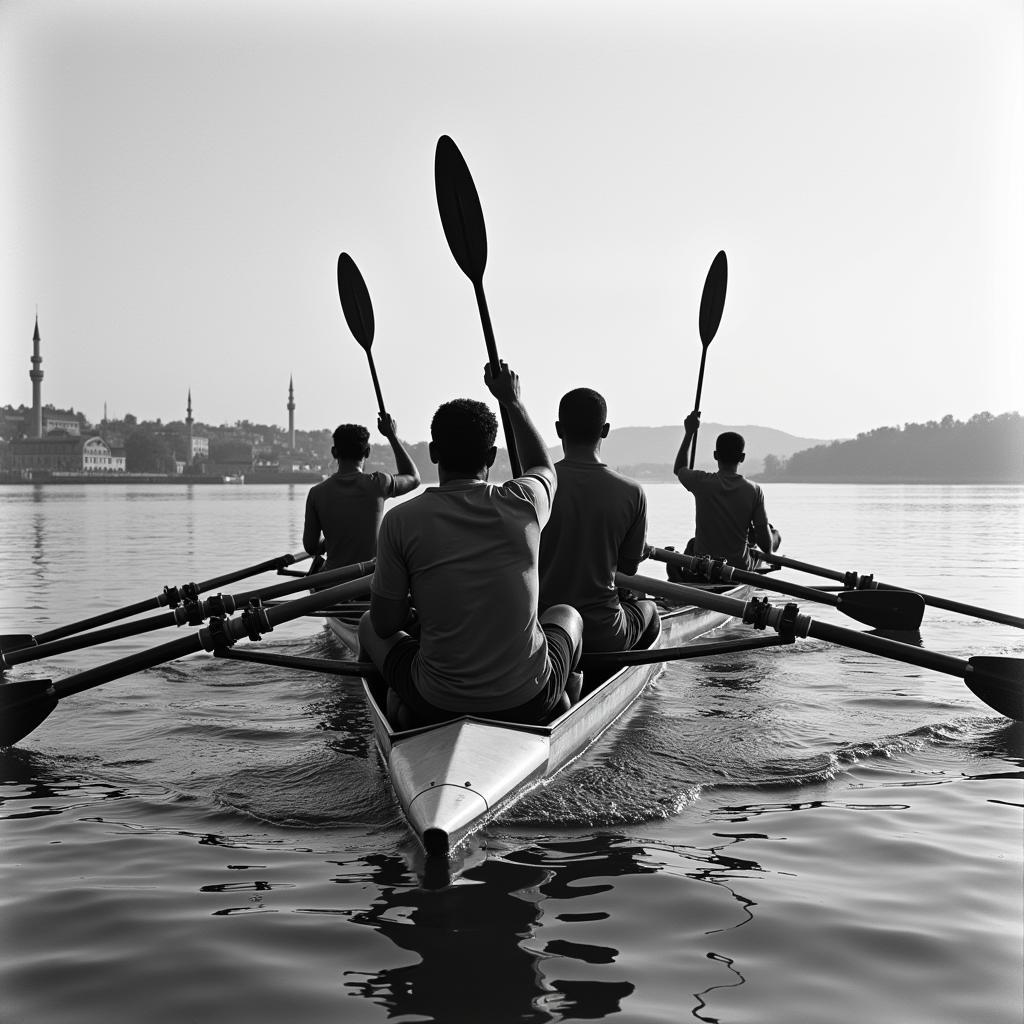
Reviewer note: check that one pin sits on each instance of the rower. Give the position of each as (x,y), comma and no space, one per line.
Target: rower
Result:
(467,552)
(347,507)
(730,508)
(598,527)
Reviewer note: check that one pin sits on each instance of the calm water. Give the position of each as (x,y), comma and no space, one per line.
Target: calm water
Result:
(803,834)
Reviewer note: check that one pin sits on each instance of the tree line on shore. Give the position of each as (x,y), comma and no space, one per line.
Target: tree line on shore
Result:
(984,449)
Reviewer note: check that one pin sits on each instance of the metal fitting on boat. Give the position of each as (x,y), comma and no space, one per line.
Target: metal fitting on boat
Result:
(217,636)
(255,620)
(757,612)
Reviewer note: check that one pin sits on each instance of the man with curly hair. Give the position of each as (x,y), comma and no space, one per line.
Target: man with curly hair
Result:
(465,554)
(346,508)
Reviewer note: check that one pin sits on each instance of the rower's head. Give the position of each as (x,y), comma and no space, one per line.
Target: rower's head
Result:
(729,448)
(462,435)
(351,443)
(582,418)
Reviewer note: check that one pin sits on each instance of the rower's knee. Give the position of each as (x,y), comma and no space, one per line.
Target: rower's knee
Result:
(569,621)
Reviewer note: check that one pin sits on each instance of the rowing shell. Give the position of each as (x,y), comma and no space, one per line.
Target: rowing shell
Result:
(452,778)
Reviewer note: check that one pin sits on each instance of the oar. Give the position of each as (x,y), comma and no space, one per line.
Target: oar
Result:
(712,302)
(27,702)
(191,612)
(358,310)
(853,581)
(463,222)
(880,609)
(998,682)
(171,596)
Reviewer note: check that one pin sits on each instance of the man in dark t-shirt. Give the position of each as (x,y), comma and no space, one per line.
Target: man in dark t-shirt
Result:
(346,508)
(598,527)
(730,508)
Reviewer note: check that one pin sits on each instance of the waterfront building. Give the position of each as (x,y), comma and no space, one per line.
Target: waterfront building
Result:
(61,452)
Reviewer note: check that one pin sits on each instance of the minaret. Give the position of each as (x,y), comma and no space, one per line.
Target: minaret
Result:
(36,376)
(188,425)
(291,414)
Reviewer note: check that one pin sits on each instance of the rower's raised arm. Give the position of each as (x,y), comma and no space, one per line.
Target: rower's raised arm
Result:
(690,425)
(408,477)
(533,453)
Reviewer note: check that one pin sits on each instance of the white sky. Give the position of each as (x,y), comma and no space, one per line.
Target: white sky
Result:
(178,179)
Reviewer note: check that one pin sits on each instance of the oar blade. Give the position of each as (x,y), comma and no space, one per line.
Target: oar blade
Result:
(355,301)
(23,705)
(459,207)
(883,609)
(16,642)
(712,301)
(999,683)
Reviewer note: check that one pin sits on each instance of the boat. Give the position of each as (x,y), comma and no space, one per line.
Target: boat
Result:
(451,778)
(344,623)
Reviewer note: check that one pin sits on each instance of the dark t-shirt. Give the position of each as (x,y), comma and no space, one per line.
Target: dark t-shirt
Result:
(727,506)
(598,525)
(347,508)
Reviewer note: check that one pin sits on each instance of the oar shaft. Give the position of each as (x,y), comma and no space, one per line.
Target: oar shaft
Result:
(792,563)
(696,403)
(208,638)
(89,639)
(319,580)
(280,562)
(801,625)
(854,580)
(94,621)
(162,600)
(886,648)
(730,573)
(963,609)
(376,382)
(492,358)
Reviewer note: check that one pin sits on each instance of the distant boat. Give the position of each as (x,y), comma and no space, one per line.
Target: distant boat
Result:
(234,478)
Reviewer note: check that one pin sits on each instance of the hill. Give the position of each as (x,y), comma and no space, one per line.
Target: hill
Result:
(983,449)
(648,452)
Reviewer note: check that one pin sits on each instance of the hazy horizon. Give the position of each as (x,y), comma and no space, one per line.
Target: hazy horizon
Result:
(180,178)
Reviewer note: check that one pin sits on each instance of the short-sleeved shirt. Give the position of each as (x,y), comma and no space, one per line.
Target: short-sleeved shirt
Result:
(598,526)
(727,505)
(467,553)
(347,508)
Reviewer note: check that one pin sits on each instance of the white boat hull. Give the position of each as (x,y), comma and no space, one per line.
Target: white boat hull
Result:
(452,778)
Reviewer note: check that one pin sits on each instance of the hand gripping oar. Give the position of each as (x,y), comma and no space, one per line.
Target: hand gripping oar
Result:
(712,302)
(463,223)
(192,612)
(998,682)
(25,703)
(881,609)
(853,581)
(358,310)
(171,596)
